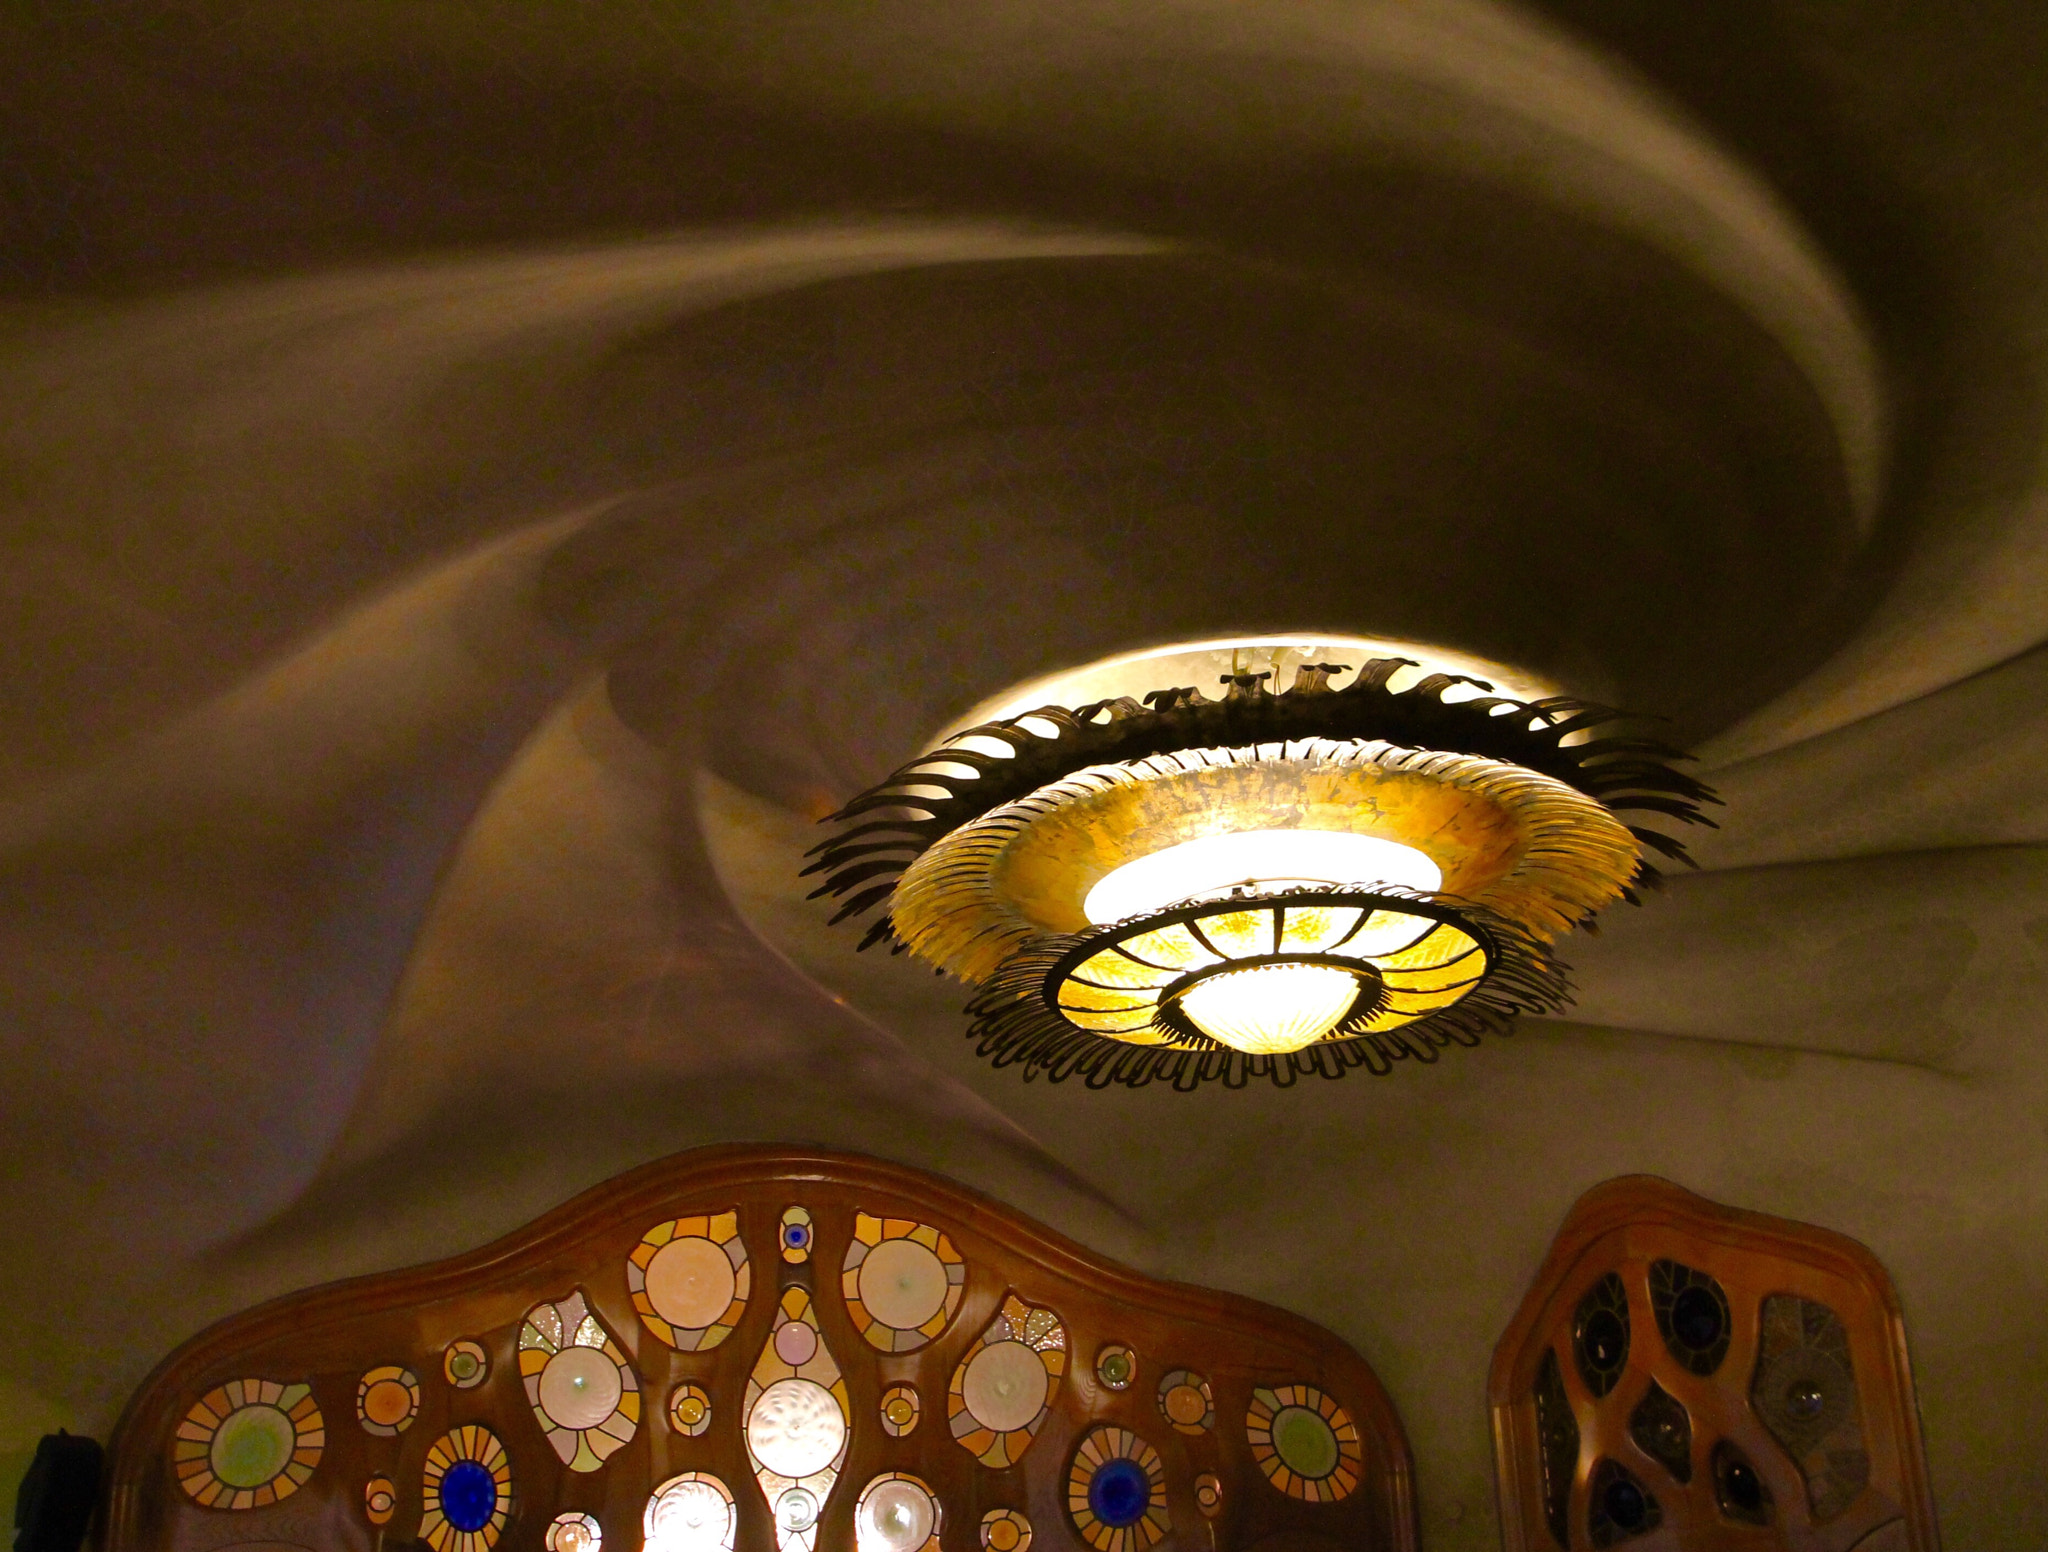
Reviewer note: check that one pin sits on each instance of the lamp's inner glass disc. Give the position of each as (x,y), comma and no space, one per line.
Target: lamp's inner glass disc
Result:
(1269,1010)
(1260,861)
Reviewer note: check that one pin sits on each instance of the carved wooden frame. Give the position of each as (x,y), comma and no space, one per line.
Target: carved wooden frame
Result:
(1624,1225)
(332,1335)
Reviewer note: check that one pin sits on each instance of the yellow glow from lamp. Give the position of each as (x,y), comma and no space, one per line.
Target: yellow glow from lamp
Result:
(1260,861)
(1269,1010)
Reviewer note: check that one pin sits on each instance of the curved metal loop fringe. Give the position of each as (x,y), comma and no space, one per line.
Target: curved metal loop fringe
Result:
(1014,1025)
(901,816)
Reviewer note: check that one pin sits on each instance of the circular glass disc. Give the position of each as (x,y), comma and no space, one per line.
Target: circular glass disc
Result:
(1120,1492)
(796,1344)
(469,1495)
(252,1446)
(796,1510)
(1004,1386)
(796,1428)
(580,1387)
(690,1283)
(1305,1442)
(895,1517)
(689,1517)
(903,1283)
(387,1403)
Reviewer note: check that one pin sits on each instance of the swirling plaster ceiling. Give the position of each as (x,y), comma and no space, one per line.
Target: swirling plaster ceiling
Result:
(482,478)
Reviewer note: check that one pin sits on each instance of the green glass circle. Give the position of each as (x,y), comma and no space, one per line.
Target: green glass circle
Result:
(1305,1442)
(1115,1367)
(462,1365)
(252,1446)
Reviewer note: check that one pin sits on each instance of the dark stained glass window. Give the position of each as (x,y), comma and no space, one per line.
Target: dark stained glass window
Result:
(1692,1315)
(1600,1335)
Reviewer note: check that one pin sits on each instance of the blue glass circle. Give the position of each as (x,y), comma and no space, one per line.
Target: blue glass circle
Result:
(1120,1492)
(1696,1318)
(1625,1504)
(795,1235)
(469,1495)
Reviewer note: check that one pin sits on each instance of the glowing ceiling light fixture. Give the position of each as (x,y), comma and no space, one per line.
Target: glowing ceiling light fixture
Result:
(1256,862)
(1187,889)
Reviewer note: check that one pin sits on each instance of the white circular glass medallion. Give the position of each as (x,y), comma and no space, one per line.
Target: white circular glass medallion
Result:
(1004,1386)
(796,1510)
(690,1283)
(580,1387)
(894,1516)
(903,1283)
(796,1428)
(689,1516)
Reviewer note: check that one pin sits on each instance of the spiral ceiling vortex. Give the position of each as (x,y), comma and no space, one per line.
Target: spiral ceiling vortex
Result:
(481,480)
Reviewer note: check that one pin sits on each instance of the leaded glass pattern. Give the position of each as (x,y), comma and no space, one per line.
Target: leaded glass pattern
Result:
(1662,1430)
(1600,1334)
(522,1398)
(1740,1492)
(798,1421)
(467,1488)
(689,1280)
(693,1510)
(1116,1492)
(1005,1383)
(1692,1315)
(1804,1390)
(249,1443)
(387,1400)
(1618,1506)
(578,1381)
(1685,1372)
(897,1512)
(901,1280)
(1185,1402)
(1304,1441)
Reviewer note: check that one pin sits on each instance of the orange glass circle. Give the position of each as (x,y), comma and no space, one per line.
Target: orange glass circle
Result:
(387,1403)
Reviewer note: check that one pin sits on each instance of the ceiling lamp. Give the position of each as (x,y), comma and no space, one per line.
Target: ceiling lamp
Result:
(1265,885)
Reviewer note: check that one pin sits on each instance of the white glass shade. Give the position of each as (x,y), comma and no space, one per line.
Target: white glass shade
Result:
(1269,1010)
(1258,860)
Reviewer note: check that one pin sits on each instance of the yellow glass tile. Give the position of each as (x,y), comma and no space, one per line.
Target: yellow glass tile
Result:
(1441,946)
(1310,929)
(1239,934)
(1174,947)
